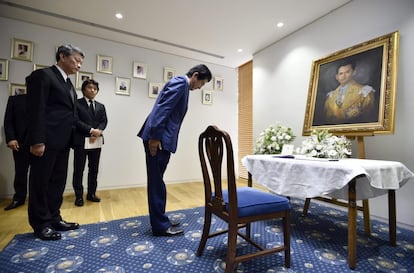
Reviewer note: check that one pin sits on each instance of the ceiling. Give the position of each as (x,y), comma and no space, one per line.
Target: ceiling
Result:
(210,30)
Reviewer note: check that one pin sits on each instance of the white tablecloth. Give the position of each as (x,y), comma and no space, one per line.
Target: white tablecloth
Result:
(307,177)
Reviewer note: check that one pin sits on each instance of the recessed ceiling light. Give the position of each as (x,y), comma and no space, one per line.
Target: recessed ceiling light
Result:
(280,24)
(119,15)
(239,50)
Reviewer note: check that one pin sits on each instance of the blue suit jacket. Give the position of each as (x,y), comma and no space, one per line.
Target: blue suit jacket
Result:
(164,121)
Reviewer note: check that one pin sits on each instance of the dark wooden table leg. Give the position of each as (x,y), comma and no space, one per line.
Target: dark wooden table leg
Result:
(352,234)
(392,217)
(367,220)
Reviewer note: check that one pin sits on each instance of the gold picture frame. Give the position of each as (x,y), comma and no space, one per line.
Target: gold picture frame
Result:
(104,64)
(123,86)
(366,103)
(16,89)
(39,66)
(218,83)
(169,73)
(4,70)
(82,76)
(22,50)
(139,70)
(154,89)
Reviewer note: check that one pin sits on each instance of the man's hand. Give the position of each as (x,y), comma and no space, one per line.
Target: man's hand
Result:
(96,132)
(14,145)
(37,149)
(154,145)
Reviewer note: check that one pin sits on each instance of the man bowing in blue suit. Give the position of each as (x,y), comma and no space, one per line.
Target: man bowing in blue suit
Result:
(160,136)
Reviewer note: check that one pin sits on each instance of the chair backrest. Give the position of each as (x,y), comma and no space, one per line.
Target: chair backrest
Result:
(214,145)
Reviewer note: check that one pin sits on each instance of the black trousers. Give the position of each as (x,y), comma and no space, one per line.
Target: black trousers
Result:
(21,168)
(47,182)
(79,161)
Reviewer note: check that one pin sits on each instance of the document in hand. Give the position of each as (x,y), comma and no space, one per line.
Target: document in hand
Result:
(93,145)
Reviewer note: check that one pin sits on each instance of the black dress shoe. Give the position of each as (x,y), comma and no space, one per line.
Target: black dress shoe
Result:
(48,234)
(64,226)
(174,223)
(171,231)
(93,198)
(79,202)
(14,204)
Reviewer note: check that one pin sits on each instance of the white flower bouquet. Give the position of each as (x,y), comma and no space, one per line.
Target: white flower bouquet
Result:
(272,139)
(322,144)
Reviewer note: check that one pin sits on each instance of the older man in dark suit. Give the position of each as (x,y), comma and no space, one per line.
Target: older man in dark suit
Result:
(51,111)
(89,128)
(15,131)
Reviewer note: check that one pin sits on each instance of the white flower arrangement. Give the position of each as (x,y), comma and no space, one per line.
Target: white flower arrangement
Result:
(272,139)
(322,144)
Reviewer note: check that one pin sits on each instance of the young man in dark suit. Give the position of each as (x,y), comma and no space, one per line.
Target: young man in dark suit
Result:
(89,127)
(15,131)
(51,112)
(160,136)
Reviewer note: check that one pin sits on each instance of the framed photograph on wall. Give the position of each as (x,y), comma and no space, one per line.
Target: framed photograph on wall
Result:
(104,64)
(154,89)
(139,70)
(123,86)
(352,91)
(82,76)
(207,97)
(16,89)
(169,73)
(218,83)
(22,50)
(39,66)
(4,70)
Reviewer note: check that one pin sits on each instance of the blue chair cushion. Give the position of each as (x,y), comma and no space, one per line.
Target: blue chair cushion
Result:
(253,201)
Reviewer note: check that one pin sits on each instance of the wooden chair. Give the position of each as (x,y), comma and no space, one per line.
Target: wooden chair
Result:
(237,206)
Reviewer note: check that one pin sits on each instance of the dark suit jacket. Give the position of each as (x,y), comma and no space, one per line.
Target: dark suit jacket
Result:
(164,121)
(87,121)
(15,119)
(51,109)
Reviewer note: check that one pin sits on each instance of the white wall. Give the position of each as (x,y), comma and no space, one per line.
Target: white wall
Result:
(122,161)
(281,76)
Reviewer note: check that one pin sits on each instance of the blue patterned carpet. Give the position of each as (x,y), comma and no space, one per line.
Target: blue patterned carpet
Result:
(319,243)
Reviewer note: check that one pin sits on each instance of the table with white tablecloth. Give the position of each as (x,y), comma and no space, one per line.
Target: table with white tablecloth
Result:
(350,179)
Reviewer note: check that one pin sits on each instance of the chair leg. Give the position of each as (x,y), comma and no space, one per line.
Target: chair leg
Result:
(231,248)
(206,232)
(286,238)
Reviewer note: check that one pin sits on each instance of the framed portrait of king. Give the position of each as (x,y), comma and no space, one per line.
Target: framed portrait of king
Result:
(352,91)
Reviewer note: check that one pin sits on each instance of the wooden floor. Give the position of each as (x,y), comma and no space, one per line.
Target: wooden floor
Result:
(115,204)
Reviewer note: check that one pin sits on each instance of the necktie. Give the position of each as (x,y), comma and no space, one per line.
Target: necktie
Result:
(69,83)
(91,109)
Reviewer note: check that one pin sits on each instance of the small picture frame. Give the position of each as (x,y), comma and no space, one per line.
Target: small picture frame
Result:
(82,76)
(104,64)
(4,70)
(17,89)
(39,66)
(123,86)
(22,50)
(139,70)
(154,89)
(207,97)
(169,73)
(218,83)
